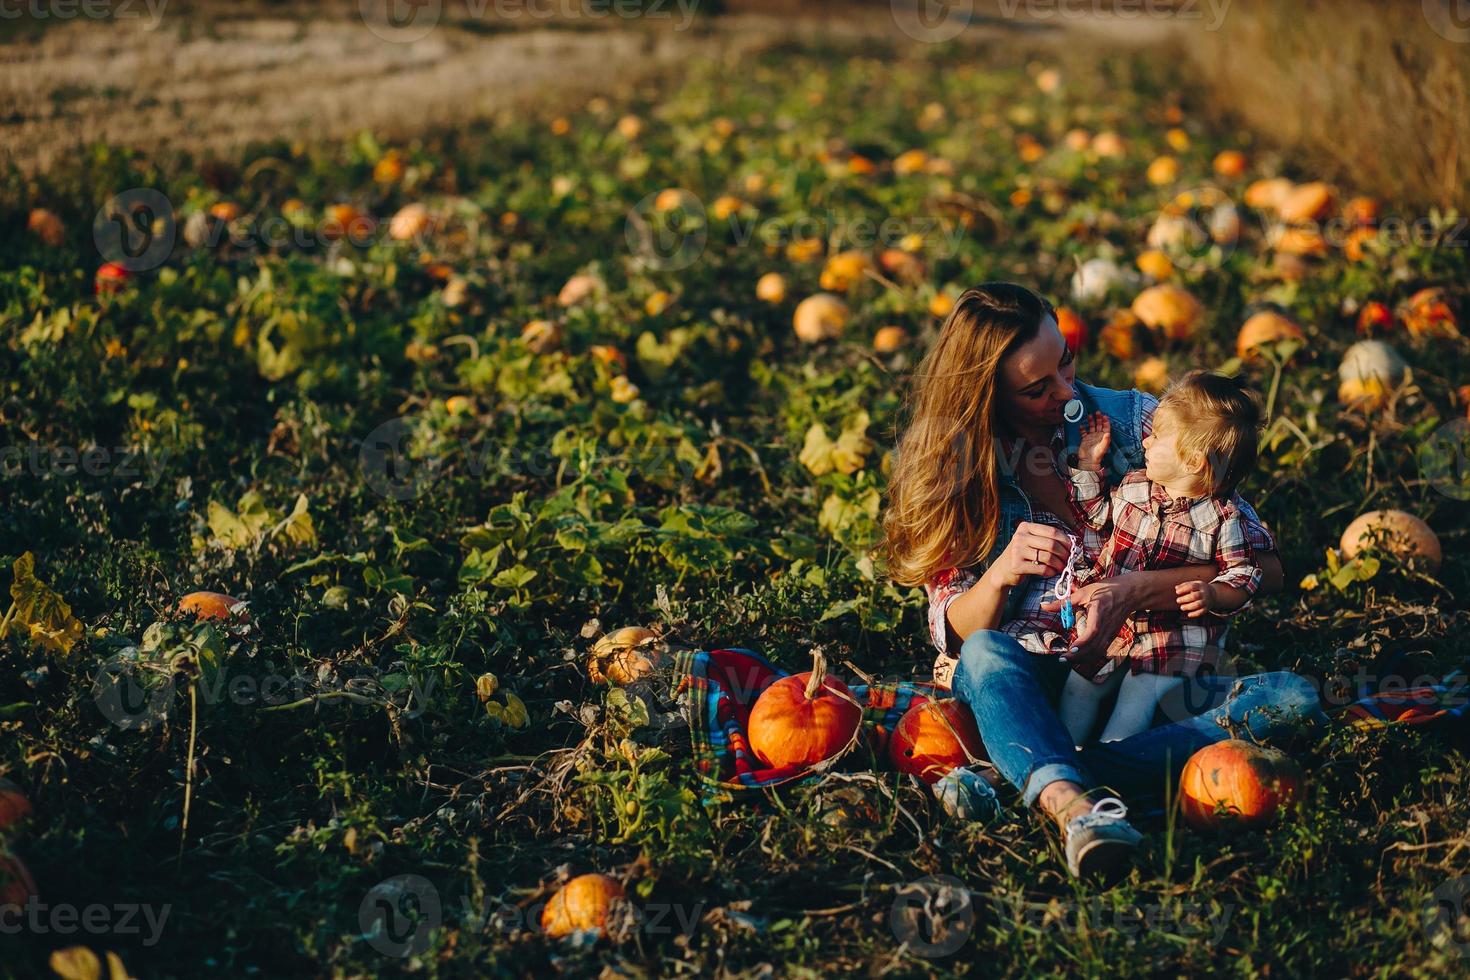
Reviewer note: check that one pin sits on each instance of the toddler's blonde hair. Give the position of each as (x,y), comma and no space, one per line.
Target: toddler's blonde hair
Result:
(1218,418)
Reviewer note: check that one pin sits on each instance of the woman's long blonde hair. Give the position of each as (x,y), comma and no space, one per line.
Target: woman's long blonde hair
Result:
(943,497)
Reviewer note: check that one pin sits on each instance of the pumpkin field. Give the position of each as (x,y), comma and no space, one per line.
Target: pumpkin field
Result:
(362,500)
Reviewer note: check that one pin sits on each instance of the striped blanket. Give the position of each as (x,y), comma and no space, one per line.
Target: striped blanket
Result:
(1444,704)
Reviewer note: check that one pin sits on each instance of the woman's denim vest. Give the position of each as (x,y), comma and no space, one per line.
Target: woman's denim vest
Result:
(1125,411)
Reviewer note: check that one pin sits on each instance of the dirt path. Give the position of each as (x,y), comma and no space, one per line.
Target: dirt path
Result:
(186,76)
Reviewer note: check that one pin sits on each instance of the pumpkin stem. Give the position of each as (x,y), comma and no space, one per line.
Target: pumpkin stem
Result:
(818,675)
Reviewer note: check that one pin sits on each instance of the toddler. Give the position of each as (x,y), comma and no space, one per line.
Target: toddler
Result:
(1175,511)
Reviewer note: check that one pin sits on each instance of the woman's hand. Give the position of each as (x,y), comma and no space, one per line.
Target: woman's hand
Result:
(1104,606)
(1035,549)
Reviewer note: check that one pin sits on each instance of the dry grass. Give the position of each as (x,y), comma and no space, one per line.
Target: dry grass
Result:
(204,76)
(1365,90)
(245,79)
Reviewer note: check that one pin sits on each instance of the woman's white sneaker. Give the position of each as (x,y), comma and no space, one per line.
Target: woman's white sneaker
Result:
(1100,843)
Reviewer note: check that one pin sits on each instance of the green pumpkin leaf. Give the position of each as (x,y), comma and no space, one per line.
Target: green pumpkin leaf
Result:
(816,453)
(513,577)
(1343,577)
(297,525)
(45,615)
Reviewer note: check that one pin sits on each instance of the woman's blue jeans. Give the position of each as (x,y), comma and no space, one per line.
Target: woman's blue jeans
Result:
(1012,693)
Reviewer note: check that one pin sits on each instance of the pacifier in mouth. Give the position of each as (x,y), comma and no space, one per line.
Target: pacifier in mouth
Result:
(1072,411)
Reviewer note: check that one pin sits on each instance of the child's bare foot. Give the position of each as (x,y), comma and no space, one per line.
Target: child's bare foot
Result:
(1097,435)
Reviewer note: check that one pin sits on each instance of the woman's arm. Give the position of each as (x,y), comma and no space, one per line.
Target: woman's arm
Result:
(1034,549)
(1273,576)
(978,609)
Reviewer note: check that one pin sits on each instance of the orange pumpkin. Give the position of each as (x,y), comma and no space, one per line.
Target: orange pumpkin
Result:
(803,719)
(411,221)
(1428,314)
(1119,336)
(1394,531)
(1230,164)
(1306,202)
(16,883)
(1374,318)
(1169,311)
(1073,327)
(901,265)
(934,737)
(844,271)
(820,317)
(771,288)
(1109,144)
(1237,784)
(581,905)
(1268,193)
(1265,327)
(46,226)
(390,168)
(1152,374)
(111,276)
(1154,264)
(889,339)
(344,220)
(1299,240)
(213,605)
(1357,242)
(1163,170)
(1361,211)
(14,807)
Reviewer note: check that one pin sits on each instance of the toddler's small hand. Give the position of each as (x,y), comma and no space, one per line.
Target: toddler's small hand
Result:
(1097,434)
(1195,598)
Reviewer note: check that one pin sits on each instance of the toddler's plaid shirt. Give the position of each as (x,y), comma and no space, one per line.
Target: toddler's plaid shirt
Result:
(1149,530)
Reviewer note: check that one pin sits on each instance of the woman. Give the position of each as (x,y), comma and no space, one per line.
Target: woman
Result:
(979,512)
